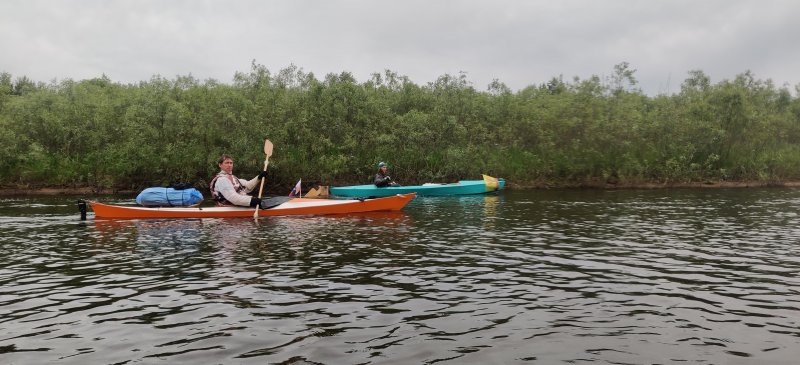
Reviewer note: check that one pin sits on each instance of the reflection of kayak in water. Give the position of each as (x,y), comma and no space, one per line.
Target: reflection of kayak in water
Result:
(463,187)
(296,206)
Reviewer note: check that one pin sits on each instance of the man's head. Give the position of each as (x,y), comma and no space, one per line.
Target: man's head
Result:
(382,166)
(225,163)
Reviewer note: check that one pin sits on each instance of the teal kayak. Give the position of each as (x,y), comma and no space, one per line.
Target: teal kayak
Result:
(463,187)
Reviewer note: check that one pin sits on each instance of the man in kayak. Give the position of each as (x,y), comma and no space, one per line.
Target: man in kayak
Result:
(381,179)
(227,189)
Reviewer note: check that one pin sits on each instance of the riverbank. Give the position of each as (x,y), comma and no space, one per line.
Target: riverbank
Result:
(664,185)
(16,191)
(63,191)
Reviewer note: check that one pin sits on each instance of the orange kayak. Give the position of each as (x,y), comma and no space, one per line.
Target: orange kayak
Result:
(297,206)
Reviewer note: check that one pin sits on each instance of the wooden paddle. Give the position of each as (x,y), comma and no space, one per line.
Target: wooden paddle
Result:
(267,153)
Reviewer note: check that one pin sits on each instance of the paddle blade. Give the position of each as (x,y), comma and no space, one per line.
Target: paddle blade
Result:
(267,148)
(492,183)
(312,193)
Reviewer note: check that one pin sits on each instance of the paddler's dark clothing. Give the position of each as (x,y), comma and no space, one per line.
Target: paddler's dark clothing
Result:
(382,180)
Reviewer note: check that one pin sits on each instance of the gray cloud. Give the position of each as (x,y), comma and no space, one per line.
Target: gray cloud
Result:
(517,42)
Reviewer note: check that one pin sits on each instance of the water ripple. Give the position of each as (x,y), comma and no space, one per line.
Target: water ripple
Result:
(542,277)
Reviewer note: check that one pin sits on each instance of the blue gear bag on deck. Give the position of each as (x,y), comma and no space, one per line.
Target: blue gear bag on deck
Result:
(168,197)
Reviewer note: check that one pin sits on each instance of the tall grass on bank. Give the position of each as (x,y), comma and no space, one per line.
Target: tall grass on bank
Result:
(105,134)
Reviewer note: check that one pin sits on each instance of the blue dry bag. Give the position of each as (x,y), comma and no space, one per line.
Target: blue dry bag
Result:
(169,197)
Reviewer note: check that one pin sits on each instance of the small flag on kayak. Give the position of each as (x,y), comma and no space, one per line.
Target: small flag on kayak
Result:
(491,183)
(298,190)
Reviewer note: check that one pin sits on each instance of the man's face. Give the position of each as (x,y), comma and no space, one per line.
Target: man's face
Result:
(227,166)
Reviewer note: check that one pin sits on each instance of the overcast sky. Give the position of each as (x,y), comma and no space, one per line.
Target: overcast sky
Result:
(519,43)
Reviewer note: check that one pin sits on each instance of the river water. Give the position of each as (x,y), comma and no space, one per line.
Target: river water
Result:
(708,276)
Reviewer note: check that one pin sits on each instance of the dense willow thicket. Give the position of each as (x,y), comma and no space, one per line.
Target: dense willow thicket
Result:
(109,135)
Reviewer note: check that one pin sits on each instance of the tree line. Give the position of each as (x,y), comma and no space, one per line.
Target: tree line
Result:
(109,135)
